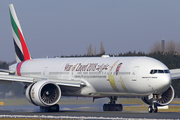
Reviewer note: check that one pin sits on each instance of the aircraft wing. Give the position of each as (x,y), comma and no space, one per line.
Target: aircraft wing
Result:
(175,74)
(5,77)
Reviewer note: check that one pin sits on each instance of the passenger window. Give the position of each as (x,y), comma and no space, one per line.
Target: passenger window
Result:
(155,71)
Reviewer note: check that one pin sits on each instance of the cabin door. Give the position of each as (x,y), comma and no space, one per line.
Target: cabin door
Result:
(134,73)
(46,72)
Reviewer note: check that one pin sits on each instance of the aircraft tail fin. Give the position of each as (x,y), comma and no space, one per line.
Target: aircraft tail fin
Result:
(21,50)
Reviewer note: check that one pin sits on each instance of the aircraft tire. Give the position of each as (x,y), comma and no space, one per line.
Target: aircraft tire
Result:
(106,107)
(44,109)
(155,109)
(112,107)
(150,109)
(119,107)
(54,108)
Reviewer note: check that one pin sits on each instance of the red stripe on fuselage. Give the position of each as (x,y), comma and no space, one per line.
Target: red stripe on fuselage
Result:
(24,47)
(18,68)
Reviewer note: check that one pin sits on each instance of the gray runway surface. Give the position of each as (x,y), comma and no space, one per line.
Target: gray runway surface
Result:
(33,111)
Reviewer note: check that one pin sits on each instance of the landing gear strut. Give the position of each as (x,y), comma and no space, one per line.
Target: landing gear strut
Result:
(112,106)
(54,108)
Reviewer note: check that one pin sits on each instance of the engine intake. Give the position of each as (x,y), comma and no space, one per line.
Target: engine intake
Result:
(164,99)
(43,93)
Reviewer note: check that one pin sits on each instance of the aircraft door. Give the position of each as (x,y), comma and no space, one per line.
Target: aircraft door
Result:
(134,73)
(46,72)
(72,75)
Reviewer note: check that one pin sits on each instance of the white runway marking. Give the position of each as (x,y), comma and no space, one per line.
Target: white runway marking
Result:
(72,117)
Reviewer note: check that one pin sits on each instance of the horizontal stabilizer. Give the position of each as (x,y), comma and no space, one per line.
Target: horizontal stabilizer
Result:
(6,71)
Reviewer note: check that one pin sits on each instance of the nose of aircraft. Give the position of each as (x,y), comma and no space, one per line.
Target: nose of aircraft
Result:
(162,84)
(166,81)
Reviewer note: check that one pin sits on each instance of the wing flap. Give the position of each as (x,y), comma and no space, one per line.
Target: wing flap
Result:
(175,74)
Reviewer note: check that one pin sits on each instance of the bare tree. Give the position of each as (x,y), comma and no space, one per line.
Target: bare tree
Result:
(94,50)
(178,47)
(156,47)
(102,48)
(89,50)
(170,46)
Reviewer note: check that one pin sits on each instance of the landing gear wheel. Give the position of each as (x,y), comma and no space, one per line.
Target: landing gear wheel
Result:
(112,107)
(155,109)
(44,109)
(106,107)
(119,107)
(150,109)
(54,108)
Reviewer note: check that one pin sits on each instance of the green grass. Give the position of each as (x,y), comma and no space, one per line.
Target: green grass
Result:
(15,102)
(130,101)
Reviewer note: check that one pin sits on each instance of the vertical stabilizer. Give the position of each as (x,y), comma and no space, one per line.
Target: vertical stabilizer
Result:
(21,49)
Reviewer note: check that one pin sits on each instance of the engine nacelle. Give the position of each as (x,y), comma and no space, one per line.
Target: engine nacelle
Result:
(163,99)
(43,93)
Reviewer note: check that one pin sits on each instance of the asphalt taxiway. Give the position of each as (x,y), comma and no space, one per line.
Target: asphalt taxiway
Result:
(33,112)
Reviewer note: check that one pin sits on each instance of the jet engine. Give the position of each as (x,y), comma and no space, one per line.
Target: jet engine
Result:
(162,99)
(43,93)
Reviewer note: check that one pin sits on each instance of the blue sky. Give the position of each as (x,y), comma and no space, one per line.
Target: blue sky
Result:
(67,27)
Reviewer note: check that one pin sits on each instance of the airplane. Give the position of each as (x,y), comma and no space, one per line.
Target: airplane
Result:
(45,80)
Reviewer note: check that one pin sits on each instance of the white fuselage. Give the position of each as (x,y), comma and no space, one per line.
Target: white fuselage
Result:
(103,76)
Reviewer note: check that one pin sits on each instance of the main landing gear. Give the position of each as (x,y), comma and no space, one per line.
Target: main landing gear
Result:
(112,106)
(54,108)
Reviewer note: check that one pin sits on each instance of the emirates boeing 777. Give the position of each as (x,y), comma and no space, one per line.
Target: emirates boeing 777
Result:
(47,79)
